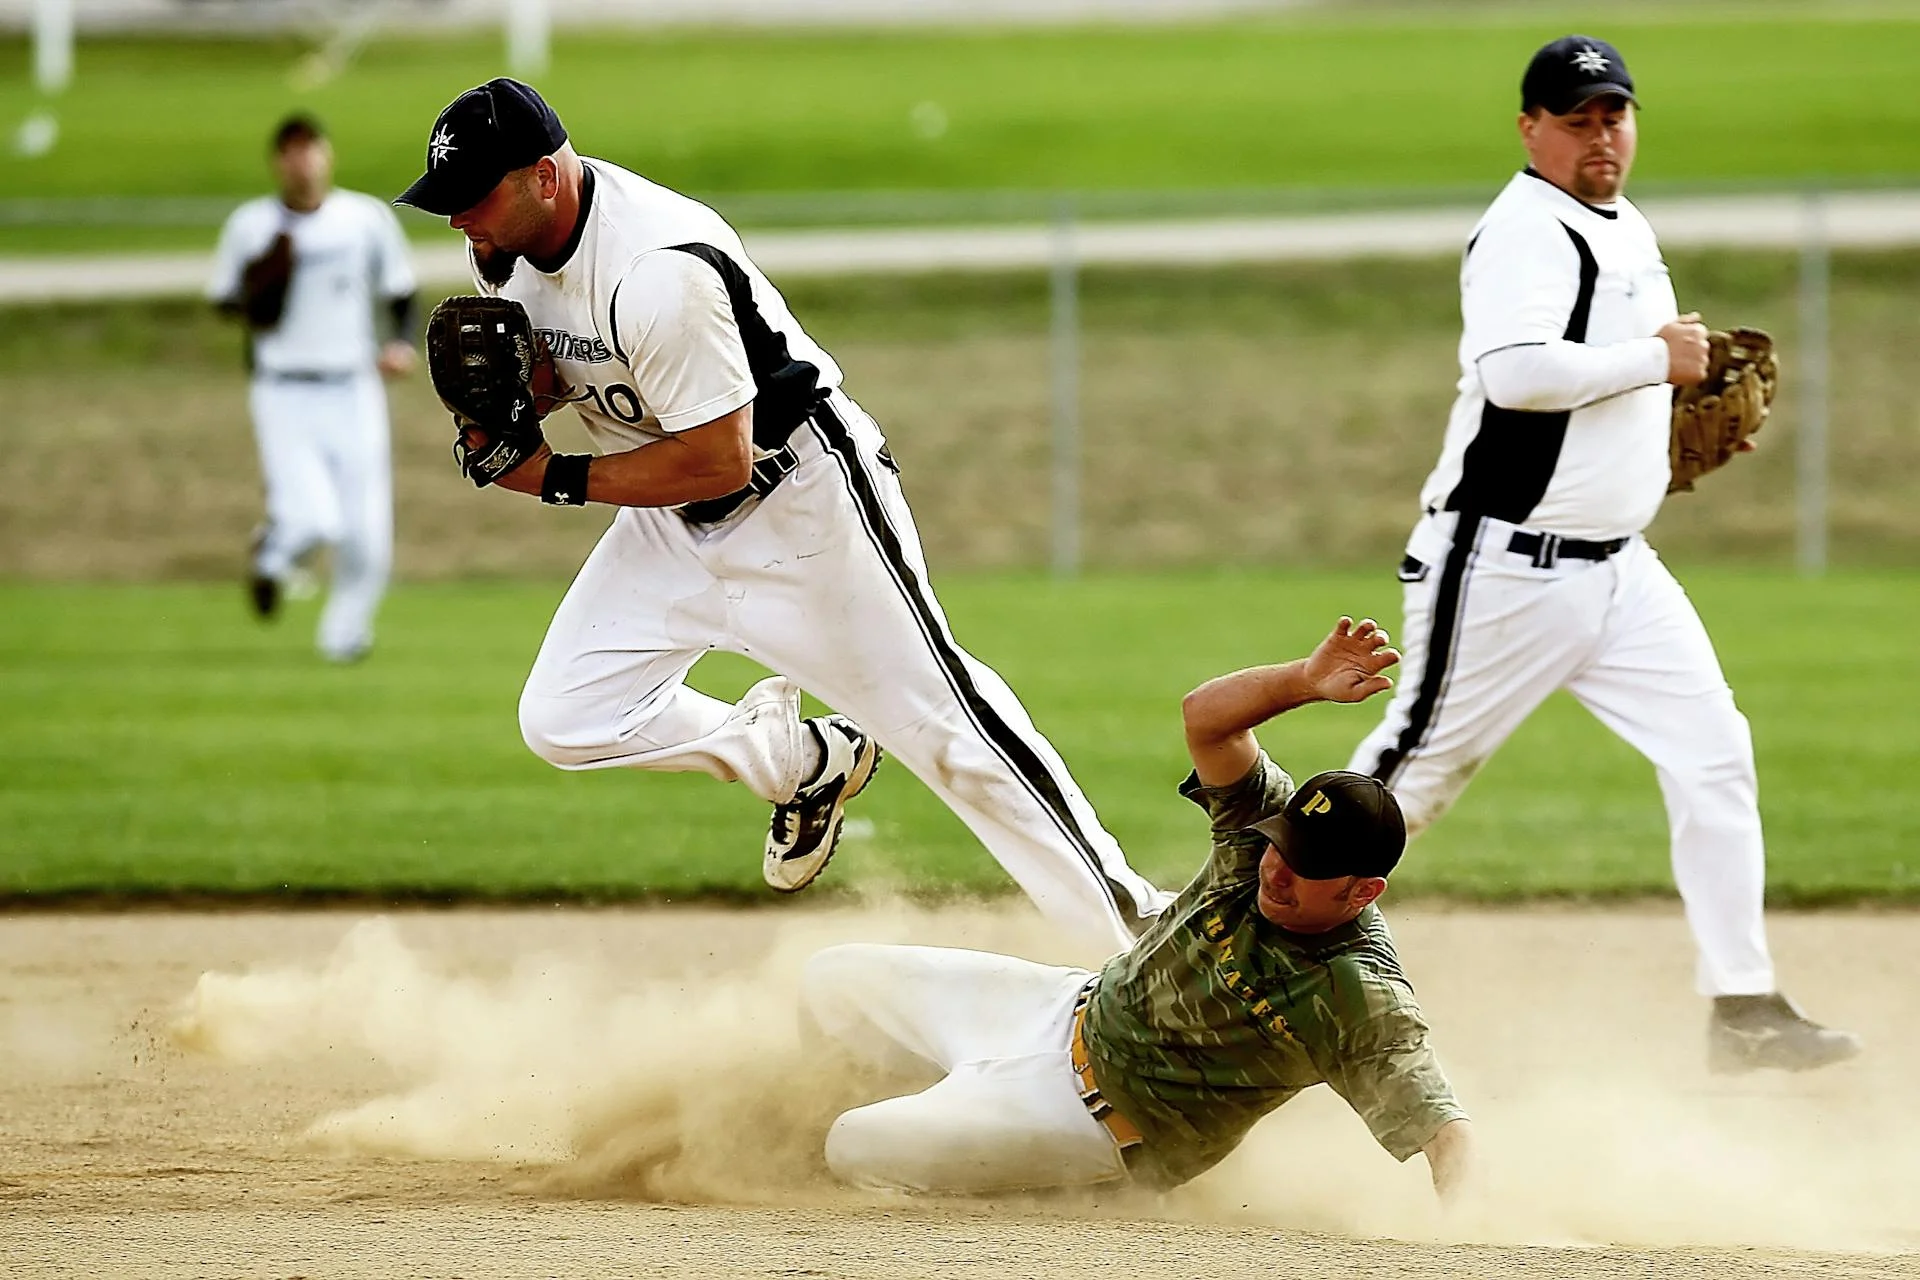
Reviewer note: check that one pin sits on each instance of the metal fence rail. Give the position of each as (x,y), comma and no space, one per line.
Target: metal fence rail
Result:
(1813,224)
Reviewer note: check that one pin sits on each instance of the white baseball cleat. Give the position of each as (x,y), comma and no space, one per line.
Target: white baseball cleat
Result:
(805,830)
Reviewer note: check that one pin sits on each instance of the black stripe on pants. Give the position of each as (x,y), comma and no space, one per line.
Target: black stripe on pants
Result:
(1443,641)
(1014,750)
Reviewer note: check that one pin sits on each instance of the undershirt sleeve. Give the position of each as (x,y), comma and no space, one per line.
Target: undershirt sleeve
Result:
(1549,376)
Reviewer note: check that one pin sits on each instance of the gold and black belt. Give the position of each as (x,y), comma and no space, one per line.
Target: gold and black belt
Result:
(1125,1133)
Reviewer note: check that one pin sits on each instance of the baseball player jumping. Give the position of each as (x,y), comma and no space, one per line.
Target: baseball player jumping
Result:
(760,513)
(303,270)
(1271,972)
(1528,572)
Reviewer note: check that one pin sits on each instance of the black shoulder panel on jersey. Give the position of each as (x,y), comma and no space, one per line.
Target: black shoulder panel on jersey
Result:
(1583,300)
(613,323)
(1510,462)
(786,390)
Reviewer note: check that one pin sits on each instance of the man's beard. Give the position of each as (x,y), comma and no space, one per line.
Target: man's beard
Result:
(1595,189)
(496,265)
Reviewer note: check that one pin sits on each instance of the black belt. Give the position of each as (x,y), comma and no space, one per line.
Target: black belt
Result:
(1546,548)
(309,375)
(767,473)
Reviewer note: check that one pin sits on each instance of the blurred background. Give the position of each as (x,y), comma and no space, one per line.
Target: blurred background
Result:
(1156,300)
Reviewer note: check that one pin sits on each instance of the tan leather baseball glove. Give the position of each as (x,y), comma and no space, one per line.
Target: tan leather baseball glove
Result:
(1714,418)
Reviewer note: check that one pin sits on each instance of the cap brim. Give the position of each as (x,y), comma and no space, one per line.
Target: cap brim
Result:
(1274,829)
(1583,96)
(1277,831)
(439,198)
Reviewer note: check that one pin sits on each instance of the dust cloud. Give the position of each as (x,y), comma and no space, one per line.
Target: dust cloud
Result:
(696,1085)
(691,1088)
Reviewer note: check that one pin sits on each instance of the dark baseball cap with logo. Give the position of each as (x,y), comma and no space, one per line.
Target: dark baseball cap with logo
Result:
(1338,824)
(482,136)
(1572,71)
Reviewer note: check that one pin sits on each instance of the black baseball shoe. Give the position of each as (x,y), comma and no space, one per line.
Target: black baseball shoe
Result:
(262,592)
(806,829)
(1747,1033)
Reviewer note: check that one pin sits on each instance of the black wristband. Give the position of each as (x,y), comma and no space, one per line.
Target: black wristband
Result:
(565,484)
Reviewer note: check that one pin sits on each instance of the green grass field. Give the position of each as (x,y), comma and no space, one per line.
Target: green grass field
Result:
(1411,100)
(156,740)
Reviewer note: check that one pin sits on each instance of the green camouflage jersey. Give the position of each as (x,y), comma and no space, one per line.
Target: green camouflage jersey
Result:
(1217,1015)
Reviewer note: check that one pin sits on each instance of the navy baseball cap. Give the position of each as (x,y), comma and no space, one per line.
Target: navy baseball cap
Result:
(1571,71)
(1338,824)
(482,136)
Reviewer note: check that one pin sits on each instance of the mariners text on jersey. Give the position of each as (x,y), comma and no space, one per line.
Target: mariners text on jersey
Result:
(586,349)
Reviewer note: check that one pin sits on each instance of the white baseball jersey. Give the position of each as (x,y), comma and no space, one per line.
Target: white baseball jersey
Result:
(345,254)
(1561,423)
(660,323)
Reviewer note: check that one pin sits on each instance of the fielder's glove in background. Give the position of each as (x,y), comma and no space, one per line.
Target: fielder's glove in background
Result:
(1713,418)
(264,281)
(480,353)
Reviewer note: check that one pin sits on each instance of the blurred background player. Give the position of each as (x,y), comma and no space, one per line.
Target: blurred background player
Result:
(760,514)
(1271,972)
(304,269)
(1528,572)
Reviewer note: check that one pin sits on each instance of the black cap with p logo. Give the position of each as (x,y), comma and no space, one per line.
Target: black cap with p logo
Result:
(482,136)
(1338,824)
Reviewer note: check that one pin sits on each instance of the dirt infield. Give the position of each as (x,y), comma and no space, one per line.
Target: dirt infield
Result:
(611,1093)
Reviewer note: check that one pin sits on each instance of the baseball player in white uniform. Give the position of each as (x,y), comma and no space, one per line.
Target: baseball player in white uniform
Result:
(1528,572)
(319,409)
(760,513)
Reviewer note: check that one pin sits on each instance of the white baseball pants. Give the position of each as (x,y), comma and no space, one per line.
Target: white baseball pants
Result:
(1488,635)
(325,456)
(821,581)
(1007,1115)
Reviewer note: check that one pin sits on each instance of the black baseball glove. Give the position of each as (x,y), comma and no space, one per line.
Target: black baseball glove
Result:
(481,354)
(264,282)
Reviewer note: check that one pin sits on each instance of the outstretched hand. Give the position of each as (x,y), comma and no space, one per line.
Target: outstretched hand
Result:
(1347,665)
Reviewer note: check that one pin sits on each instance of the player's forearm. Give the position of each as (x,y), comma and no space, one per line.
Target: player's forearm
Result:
(1549,377)
(658,475)
(1229,707)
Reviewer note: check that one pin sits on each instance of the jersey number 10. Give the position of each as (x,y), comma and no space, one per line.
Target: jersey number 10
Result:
(616,401)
